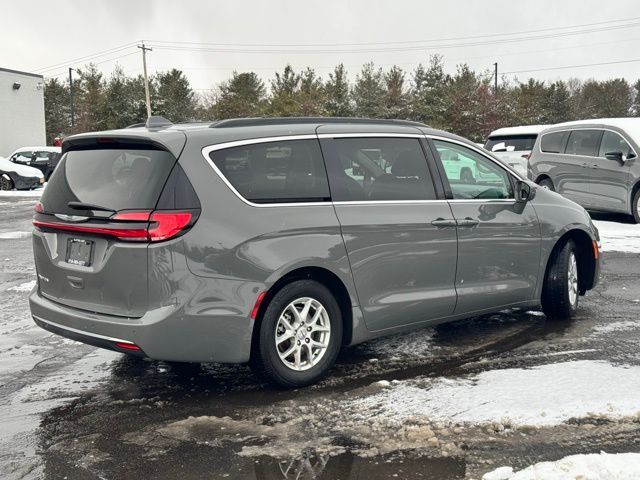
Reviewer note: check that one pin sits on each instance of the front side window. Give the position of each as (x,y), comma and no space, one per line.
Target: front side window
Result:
(583,142)
(378,169)
(553,142)
(614,143)
(472,175)
(275,172)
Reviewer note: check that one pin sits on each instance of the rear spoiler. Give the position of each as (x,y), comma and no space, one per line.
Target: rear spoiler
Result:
(170,141)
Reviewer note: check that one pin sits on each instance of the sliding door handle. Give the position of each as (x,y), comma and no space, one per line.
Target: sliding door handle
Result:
(468,222)
(441,222)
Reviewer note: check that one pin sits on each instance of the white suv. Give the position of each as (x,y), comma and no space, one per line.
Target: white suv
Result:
(513,145)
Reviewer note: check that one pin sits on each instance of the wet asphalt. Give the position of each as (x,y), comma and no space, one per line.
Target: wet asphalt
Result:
(70,411)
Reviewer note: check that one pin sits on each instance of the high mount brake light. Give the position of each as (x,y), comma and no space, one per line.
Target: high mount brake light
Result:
(161,225)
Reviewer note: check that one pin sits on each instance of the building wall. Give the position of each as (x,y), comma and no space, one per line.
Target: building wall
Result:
(21,111)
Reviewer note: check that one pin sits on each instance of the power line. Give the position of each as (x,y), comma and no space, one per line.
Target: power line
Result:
(572,66)
(170,45)
(56,74)
(85,58)
(402,42)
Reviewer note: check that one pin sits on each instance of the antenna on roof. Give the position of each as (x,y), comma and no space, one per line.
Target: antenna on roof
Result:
(157,122)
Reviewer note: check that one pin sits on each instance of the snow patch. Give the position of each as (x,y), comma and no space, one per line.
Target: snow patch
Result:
(23,287)
(37,193)
(619,237)
(617,326)
(602,466)
(544,395)
(14,235)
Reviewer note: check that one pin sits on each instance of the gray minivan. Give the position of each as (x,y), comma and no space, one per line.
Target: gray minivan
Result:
(279,241)
(592,162)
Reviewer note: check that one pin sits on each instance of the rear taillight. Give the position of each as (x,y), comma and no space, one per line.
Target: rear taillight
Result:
(132,226)
(526,156)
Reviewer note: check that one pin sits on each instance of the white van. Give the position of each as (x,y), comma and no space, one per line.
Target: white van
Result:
(513,145)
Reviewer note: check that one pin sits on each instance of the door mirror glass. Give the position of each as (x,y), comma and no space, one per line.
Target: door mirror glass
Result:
(523,191)
(619,156)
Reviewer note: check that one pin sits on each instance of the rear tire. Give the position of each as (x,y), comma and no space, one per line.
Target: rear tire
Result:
(6,183)
(635,206)
(560,292)
(547,183)
(297,349)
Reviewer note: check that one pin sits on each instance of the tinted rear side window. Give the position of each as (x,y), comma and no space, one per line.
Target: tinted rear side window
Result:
(378,169)
(511,143)
(553,142)
(583,142)
(275,172)
(118,179)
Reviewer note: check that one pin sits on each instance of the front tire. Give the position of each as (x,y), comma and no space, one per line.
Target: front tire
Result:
(635,206)
(300,335)
(560,292)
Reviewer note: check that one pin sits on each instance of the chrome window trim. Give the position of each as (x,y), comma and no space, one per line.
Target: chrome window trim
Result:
(206,151)
(542,135)
(387,202)
(83,332)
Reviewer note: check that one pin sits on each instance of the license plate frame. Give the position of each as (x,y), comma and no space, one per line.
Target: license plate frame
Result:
(79,252)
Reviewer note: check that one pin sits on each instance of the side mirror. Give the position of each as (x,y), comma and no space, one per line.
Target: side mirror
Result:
(618,156)
(523,191)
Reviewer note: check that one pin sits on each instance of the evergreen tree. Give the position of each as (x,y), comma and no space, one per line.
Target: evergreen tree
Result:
(636,99)
(311,95)
(175,98)
(124,100)
(369,92)
(243,95)
(56,109)
(428,97)
(89,100)
(284,94)
(396,99)
(337,98)
(558,103)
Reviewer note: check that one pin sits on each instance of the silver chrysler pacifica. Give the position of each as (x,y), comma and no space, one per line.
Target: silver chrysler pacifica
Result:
(279,241)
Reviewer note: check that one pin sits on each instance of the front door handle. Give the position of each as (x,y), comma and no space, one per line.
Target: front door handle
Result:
(468,222)
(442,222)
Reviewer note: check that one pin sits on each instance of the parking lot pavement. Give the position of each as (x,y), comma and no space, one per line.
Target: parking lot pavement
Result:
(454,401)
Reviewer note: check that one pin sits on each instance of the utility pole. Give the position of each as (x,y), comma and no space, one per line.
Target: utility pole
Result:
(71,97)
(146,78)
(495,85)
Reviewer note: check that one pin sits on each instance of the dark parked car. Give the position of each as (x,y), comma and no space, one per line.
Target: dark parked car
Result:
(44,159)
(593,162)
(256,240)
(20,177)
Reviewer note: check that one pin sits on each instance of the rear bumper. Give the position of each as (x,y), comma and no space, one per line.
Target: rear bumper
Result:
(167,333)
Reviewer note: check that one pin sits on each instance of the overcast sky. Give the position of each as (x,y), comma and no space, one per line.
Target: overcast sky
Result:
(321,34)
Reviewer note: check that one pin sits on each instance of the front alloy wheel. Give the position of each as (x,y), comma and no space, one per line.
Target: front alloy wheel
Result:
(561,288)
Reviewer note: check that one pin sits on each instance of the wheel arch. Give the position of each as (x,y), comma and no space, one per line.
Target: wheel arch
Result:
(634,190)
(543,176)
(584,256)
(323,276)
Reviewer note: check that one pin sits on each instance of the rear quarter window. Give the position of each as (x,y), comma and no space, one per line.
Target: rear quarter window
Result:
(275,172)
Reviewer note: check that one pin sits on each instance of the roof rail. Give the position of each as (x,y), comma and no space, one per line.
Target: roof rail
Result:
(156,122)
(136,125)
(257,121)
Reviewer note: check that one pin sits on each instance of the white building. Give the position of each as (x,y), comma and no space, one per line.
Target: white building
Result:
(21,110)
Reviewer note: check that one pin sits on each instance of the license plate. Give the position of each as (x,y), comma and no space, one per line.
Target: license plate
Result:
(79,252)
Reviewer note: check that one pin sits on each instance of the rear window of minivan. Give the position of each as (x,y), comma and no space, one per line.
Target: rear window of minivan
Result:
(553,142)
(512,143)
(116,179)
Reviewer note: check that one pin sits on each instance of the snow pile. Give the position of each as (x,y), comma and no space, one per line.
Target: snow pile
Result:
(619,237)
(37,193)
(23,287)
(14,235)
(603,466)
(544,395)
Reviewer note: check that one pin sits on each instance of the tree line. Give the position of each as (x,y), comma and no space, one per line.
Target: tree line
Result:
(464,102)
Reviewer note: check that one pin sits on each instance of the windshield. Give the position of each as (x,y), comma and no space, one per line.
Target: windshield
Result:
(511,143)
(117,179)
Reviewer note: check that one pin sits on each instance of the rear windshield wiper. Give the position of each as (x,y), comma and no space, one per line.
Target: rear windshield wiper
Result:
(89,206)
